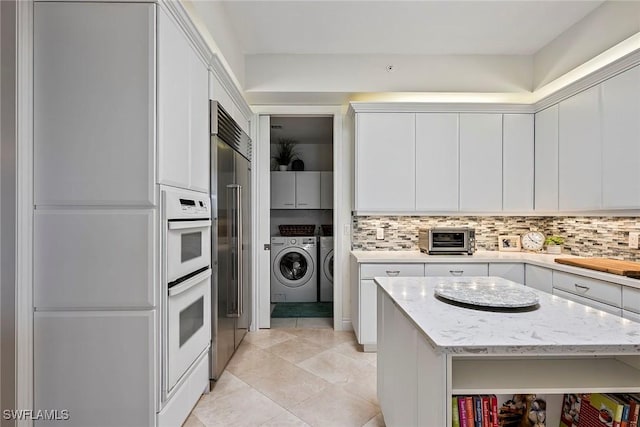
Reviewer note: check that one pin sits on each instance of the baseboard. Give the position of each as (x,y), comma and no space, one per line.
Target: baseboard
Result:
(347,325)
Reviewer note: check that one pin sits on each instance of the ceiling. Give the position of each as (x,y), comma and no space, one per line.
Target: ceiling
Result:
(426,27)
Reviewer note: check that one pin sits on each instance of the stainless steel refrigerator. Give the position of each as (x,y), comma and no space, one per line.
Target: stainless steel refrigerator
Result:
(231,237)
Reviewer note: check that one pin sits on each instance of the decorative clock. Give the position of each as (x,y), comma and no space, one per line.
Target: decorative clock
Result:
(532,241)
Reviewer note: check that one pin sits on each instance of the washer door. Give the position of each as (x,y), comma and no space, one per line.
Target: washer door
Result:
(293,267)
(327,266)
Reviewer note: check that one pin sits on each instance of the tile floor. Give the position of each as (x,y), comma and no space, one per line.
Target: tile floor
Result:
(299,373)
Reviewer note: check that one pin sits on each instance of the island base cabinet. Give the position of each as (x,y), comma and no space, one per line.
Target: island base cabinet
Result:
(416,381)
(368,315)
(410,372)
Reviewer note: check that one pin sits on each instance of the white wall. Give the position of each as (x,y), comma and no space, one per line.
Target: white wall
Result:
(603,28)
(209,18)
(367,73)
(316,157)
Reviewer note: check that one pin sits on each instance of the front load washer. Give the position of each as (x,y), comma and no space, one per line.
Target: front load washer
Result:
(294,269)
(326,268)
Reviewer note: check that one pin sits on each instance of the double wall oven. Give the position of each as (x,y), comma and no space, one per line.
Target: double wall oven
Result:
(186,237)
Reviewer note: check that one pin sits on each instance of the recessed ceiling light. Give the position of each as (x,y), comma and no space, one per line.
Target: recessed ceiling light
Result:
(391,68)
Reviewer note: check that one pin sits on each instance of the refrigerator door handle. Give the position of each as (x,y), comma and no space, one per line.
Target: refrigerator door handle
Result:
(234,301)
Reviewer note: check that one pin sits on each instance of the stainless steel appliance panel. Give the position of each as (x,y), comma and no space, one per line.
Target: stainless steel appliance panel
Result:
(223,335)
(231,242)
(243,180)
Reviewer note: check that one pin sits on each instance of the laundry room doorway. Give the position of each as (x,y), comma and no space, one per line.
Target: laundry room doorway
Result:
(296,219)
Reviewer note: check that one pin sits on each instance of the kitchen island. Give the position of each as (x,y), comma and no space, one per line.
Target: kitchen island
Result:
(430,350)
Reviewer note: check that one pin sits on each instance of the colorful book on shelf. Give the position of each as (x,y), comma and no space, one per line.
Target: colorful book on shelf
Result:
(624,419)
(486,411)
(477,411)
(634,410)
(455,412)
(570,410)
(600,410)
(462,411)
(470,412)
(493,401)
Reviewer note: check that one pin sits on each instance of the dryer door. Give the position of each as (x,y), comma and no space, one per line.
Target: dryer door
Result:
(293,267)
(328,266)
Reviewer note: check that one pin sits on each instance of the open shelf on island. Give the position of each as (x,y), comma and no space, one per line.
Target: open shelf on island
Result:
(543,375)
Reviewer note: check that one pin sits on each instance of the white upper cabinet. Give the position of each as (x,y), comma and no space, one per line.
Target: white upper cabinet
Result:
(199,124)
(621,141)
(437,157)
(546,160)
(183,110)
(385,162)
(517,157)
(326,190)
(283,190)
(580,171)
(94,104)
(480,162)
(307,190)
(295,190)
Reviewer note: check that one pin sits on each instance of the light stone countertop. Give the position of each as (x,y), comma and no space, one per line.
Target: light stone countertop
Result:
(556,327)
(539,259)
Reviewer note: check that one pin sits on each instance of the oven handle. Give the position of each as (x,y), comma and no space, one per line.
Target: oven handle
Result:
(183,225)
(188,284)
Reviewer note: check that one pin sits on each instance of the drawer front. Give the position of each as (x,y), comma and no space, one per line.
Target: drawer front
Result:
(588,302)
(631,315)
(631,299)
(457,269)
(606,292)
(369,271)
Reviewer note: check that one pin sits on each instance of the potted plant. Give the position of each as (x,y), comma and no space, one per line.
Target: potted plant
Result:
(285,152)
(554,244)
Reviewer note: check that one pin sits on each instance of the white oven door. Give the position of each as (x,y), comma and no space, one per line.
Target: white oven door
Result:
(189,323)
(188,247)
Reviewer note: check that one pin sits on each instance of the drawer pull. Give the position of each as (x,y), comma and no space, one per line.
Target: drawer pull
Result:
(581,287)
(393,273)
(456,272)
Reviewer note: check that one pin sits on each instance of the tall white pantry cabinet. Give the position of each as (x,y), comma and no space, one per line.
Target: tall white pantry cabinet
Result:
(96,261)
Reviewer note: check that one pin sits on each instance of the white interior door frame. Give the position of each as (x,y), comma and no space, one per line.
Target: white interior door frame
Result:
(341,221)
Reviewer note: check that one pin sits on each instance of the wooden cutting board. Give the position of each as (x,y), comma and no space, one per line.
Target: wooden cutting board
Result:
(614,266)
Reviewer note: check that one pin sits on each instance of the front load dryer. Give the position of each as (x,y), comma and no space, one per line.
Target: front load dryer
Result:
(326,268)
(294,269)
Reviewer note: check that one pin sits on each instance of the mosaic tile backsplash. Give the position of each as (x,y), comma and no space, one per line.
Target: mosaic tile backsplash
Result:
(584,236)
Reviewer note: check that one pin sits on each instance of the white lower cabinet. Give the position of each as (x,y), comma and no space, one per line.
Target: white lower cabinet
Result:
(588,288)
(631,299)
(100,366)
(539,278)
(631,315)
(510,271)
(457,269)
(363,296)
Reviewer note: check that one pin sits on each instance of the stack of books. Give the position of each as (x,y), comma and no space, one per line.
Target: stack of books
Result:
(475,411)
(600,410)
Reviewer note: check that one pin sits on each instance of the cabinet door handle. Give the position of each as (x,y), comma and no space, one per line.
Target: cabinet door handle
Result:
(581,287)
(393,273)
(302,204)
(456,272)
(288,204)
